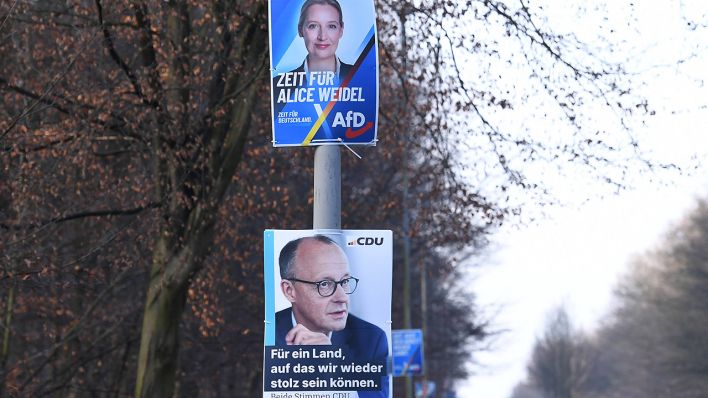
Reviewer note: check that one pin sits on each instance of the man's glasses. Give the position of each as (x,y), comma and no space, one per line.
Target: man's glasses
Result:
(327,287)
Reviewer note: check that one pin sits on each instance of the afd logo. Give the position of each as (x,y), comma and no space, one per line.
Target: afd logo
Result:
(364,241)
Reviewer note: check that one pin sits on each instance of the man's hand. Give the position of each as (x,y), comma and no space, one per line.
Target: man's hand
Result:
(300,335)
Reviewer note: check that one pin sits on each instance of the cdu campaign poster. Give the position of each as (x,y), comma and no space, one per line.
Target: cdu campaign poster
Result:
(327,313)
(324,75)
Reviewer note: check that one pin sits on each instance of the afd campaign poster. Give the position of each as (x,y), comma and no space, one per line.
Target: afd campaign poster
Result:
(407,352)
(327,313)
(324,72)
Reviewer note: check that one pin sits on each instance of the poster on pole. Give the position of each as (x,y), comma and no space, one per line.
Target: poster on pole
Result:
(425,389)
(407,352)
(327,313)
(324,74)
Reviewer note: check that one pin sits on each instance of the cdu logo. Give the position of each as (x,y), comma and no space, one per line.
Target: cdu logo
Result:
(366,241)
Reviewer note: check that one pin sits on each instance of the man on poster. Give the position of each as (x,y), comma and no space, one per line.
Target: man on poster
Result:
(316,280)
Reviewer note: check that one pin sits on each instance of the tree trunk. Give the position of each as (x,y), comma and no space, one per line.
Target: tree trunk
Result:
(185,236)
(159,340)
(5,353)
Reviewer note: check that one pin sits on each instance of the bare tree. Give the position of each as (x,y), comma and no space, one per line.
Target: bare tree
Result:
(561,362)
(523,390)
(132,131)
(655,344)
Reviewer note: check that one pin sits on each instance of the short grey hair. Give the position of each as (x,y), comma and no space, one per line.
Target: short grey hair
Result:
(286,260)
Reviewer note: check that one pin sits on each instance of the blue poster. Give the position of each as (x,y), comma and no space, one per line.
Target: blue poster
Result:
(425,389)
(407,352)
(324,75)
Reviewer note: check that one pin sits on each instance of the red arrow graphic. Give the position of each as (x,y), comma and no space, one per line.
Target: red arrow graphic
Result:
(355,133)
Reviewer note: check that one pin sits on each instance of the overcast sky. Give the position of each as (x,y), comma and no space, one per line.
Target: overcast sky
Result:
(573,258)
(576,254)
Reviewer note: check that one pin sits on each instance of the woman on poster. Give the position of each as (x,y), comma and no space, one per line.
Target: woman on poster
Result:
(321,26)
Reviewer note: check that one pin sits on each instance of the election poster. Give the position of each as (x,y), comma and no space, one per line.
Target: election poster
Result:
(327,313)
(324,75)
(425,389)
(407,352)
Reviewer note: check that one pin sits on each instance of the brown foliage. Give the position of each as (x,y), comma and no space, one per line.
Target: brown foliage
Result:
(137,178)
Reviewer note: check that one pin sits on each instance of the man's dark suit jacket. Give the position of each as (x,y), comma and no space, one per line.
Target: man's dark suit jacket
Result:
(344,70)
(364,341)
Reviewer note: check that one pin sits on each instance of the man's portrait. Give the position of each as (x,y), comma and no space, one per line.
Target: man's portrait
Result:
(317,287)
(317,281)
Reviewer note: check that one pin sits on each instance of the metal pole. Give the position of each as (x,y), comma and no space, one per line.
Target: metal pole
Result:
(406,249)
(327,207)
(424,316)
(407,324)
(402,15)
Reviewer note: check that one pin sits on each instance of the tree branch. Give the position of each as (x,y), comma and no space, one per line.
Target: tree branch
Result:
(85,214)
(12,8)
(39,99)
(75,328)
(147,51)
(117,123)
(108,42)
